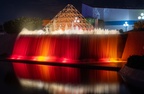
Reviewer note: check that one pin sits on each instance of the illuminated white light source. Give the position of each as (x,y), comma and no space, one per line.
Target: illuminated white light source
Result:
(142,14)
(75,30)
(78,21)
(98,88)
(29,32)
(76,18)
(139,17)
(126,24)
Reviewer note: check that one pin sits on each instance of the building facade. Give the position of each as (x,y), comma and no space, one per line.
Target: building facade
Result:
(113,18)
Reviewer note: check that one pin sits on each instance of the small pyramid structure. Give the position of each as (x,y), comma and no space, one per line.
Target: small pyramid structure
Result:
(67,19)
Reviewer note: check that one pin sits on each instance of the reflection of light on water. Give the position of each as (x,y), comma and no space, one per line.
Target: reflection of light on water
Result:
(55,88)
(115,60)
(34,84)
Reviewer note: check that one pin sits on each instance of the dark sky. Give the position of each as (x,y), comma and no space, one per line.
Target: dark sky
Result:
(11,9)
(116,3)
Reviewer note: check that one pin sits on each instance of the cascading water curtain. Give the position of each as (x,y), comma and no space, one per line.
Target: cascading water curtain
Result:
(55,48)
(62,49)
(66,48)
(103,47)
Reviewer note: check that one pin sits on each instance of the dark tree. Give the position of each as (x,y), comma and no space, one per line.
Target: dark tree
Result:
(139,26)
(15,26)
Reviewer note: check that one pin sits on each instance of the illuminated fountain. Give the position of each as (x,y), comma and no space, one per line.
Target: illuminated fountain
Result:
(60,48)
(68,37)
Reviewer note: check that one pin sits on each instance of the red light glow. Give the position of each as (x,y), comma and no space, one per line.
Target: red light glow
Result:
(134,45)
(47,73)
(65,48)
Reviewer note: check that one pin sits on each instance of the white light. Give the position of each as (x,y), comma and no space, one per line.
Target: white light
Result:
(75,21)
(78,21)
(76,30)
(139,17)
(55,88)
(126,24)
(76,18)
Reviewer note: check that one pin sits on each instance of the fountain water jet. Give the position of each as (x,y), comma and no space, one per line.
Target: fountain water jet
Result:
(63,41)
(65,48)
(68,38)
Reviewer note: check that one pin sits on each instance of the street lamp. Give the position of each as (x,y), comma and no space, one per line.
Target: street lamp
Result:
(141,17)
(76,20)
(126,25)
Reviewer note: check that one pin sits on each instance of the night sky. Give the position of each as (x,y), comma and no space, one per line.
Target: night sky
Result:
(47,9)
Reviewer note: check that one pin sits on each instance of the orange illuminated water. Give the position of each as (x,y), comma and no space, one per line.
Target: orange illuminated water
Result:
(66,48)
(71,49)
(134,44)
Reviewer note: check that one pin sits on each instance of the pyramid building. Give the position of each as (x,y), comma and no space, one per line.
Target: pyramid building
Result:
(68,19)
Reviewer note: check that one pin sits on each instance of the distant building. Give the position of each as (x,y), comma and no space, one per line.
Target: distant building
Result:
(113,18)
